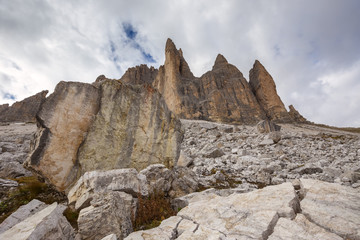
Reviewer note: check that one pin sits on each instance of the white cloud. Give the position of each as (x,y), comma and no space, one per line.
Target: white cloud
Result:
(311,52)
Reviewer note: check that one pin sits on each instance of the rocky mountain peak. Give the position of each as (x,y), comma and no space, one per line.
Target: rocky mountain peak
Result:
(140,75)
(264,88)
(220,61)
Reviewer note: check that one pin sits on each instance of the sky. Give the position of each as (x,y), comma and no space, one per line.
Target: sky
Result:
(310,47)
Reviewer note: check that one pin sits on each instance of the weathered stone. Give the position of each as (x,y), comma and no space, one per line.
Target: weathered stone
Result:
(109,212)
(263,86)
(221,95)
(23,111)
(126,180)
(21,214)
(184,160)
(65,118)
(251,214)
(295,115)
(110,237)
(140,75)
(48,223)
(333,207)
(266,126)
(184,182)
(300,229)
(215,154)
(159,178)
(166,231)
(14,148)
(136,123)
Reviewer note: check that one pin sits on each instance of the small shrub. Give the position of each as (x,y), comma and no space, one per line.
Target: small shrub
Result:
(151,211)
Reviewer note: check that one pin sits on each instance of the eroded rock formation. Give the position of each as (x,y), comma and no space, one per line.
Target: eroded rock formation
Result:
(103,126)
(221,95)
(263,86)
(23,111)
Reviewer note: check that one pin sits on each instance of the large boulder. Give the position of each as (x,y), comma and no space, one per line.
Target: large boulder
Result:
(306,209)
(65,118)
(109,212)
(133,128)
(108,125)
(333,207)
(125,180)
(49,223)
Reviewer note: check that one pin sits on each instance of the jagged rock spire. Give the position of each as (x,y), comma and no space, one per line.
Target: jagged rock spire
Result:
(220,62)
(264,88)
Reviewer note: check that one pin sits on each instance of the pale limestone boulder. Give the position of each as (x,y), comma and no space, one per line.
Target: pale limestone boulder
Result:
(250,214)
(332,206)
(110,212)
(166,231)
(110,237)
(300,229)
(47,224)
(125,180)
(133,128)
(65,118)
(21,214)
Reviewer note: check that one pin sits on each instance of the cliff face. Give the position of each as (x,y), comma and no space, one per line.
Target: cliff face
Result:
(264,88)
(221,94)
(23,111)
(103,126)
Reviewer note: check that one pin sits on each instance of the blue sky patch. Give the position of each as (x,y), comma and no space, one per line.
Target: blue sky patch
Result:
(129,31)
(9,96)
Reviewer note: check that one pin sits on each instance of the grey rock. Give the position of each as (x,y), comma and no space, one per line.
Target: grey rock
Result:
(215,154)
(109,212)
(110,237)
(49,223)
(266,126)
(21,214)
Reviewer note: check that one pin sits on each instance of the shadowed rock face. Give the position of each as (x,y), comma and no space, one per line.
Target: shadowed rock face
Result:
(263,86)
(107,126)
(23,111)
(221,94)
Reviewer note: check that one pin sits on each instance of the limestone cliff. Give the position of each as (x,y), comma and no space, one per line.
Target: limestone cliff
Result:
(221,94)
(264,88)
(107,125)
(23,111)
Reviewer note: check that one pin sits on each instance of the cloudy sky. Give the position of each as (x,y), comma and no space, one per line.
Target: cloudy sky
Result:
(310,47)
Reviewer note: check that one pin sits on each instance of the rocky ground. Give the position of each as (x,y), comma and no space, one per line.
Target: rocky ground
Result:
(231,182)
(225,156)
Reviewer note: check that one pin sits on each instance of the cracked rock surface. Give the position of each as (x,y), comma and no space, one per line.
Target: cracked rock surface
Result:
(274,212)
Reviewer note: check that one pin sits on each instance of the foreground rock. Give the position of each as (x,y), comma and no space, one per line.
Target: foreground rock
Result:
(104,126)
(270,213)
(48,223)
(23,111)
